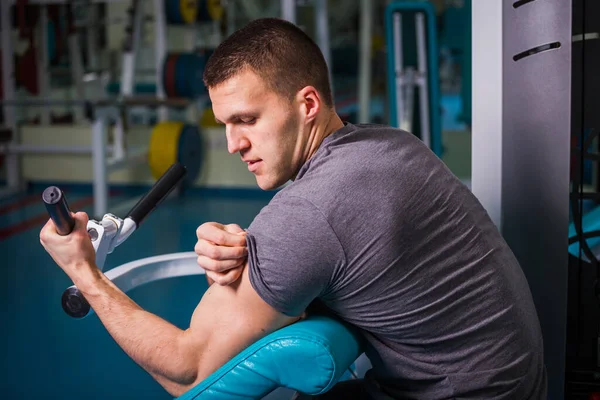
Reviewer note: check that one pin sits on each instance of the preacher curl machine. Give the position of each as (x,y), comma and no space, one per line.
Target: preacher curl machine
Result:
(324,349)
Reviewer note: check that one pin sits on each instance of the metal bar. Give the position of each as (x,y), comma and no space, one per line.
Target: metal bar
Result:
(99,167)
(91,36)
(398,68)
(288,10)
(423,86)
(130,48)
(13,170)
(322,22)
(43,77)
(160,53)
(231,7)
(364,71)
(134,101)
(408,94)
(119,139)
(40,149)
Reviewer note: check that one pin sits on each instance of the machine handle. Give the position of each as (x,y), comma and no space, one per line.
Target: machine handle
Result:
(73,302)
(57,207)
(159,191)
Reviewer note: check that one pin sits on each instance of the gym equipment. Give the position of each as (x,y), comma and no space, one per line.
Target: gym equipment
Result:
(182,74)
(322,347)
(181,12)
(108,233)
(413,70)
(107,158)
(175,142)
(210,10)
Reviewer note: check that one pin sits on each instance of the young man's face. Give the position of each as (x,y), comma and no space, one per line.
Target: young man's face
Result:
(262,126)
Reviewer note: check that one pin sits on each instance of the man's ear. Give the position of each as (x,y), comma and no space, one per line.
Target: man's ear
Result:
(311,103)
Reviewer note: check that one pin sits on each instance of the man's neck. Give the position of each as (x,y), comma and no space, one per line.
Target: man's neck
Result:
(320,130)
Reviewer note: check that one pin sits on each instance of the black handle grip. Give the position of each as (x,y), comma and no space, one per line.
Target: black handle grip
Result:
(74,304)
(57,207)
(161,189)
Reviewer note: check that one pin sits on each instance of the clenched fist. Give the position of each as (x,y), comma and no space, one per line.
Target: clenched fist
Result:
(73,252)
(221,251)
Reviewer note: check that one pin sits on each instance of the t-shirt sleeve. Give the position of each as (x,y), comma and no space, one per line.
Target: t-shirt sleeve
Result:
(292,254)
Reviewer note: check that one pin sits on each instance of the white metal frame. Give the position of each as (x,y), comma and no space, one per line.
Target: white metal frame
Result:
(105,159)
(409,79)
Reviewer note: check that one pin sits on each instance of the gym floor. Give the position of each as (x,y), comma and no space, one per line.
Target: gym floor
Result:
(50,355)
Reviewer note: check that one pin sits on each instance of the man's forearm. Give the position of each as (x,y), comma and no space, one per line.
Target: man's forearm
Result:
(155,344)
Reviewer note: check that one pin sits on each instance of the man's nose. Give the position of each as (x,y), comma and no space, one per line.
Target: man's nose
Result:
(236,141)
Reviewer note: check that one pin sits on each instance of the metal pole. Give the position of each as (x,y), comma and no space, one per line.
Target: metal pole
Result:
(521,151)
(99,167)
(364,70)
(40,149)
(160,53)
(486,158)
(322,22)
(398,69)
(92,36)
(44,63)
(13,170)
(231,6)
(288,10)
(422,79)
(130,49)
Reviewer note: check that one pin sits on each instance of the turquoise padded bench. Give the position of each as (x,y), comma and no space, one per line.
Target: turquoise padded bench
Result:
(309,357)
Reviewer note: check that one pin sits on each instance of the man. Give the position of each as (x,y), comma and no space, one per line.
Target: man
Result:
(373,228)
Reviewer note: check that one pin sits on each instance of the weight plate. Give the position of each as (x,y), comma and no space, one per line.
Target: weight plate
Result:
(169,75)
(180,12)
(190,153)
(210,10)
(164,146)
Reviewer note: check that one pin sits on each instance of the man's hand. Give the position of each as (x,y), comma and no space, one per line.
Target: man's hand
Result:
(222,251)
(71,252)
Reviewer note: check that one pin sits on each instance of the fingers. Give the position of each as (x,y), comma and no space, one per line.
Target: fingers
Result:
(212,265)
(49,229)
(216,252)
(81,219)
(234,228)
(217,233)
(227,278)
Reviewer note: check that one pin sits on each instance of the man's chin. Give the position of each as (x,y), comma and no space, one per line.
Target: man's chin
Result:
(266,185)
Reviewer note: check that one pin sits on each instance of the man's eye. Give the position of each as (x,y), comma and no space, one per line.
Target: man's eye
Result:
(248,120)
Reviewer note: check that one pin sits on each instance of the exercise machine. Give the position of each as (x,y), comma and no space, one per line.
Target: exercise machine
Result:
(413,78)
(324,349)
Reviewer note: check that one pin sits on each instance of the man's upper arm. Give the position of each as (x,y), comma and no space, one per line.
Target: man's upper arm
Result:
(227,320)
(292,253)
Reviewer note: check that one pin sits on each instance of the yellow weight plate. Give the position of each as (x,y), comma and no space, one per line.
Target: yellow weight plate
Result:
(215,9)
(188,10)
(164,147)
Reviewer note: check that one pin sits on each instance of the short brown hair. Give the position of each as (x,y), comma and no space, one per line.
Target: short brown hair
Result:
(285,57)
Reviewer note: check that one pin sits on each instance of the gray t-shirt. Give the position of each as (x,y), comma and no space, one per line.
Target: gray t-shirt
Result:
(379,230)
